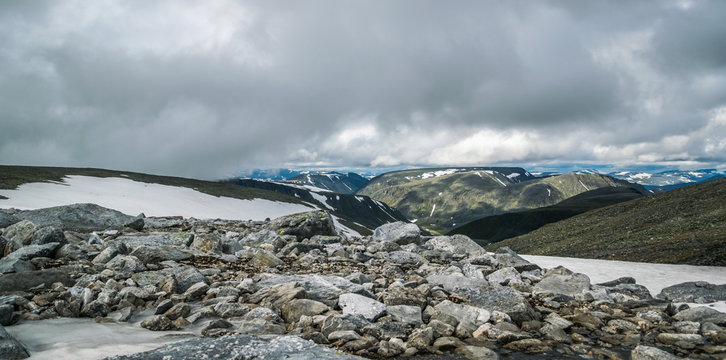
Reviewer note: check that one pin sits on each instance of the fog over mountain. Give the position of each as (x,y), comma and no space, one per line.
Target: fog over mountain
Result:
(204,89)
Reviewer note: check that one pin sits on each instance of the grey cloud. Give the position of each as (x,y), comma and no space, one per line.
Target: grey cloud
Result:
(204,89)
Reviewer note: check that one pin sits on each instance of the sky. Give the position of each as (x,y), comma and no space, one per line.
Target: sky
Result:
(208,88)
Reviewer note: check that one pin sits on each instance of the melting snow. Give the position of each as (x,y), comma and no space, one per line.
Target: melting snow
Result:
(432,210)
(133,197)
(322,199)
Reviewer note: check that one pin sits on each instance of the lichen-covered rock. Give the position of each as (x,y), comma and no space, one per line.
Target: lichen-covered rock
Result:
(562,281)
(294,309)
(304,225)
(642,352)
(701,314)
(206,243)
(77,217)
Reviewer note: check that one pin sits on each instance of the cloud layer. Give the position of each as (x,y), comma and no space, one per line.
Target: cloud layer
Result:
(208,88)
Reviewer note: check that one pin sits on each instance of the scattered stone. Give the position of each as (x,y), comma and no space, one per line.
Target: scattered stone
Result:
(399,232)
(159,323)
(642,352)
(355,304)
(694,292)
(295,308)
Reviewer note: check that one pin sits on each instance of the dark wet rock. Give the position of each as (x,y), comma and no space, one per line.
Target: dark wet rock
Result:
(701,314)
(27,280)
(159,323)
(304,225)
(398,232)
(6,314)
(177,311)
(188,276)
(77,217)
(386,330)
(698,292)
(10,348)
(7,220)
(361,305)
(26,253)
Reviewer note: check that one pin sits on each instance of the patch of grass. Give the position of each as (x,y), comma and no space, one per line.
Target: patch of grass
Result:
(13,176)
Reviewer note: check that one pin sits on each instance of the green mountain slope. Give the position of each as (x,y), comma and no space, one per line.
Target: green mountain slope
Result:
(441,202)
(499,227)
(682,226)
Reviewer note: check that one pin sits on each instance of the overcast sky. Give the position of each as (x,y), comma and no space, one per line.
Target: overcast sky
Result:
(207,88)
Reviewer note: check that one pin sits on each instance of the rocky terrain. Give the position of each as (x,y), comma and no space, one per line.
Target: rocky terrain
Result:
(295,288)
(681,226)
(443,199)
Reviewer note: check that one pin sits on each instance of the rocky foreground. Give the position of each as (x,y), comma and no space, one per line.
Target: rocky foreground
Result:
(295,287)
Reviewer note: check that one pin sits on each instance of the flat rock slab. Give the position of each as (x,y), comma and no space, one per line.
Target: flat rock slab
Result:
(77,217)
(242,347)
(361,305)
(695,291)
(323,288)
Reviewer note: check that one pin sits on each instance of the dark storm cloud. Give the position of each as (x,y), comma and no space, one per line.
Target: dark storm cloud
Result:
(207,88)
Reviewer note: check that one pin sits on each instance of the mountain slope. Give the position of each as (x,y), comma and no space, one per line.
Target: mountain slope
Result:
(347,183)
(357,212)
(684,226)
(447,198)
(499,227)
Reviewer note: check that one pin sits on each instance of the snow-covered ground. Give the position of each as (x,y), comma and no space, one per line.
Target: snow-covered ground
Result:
(653,276)
(133,197)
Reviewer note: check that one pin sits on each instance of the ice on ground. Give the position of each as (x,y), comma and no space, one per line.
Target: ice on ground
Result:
(66,338)
(655,277)
(133,197)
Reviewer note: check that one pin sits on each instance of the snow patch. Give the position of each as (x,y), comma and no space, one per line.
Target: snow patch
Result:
(322,199)
(514,175)
(432,211)
(344,228)
(133,197)
(583,185)
(438,173)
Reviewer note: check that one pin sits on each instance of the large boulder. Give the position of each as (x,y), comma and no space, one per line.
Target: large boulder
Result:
(562,281)
(360,305)
(457,244)
(7,220)
(24,281)
(304,225)
(323,288)
(10,348)
(17,261)
(702,314)
(242,347)
(206,243)
(399,232)
(698,291)
(155,254)
(77,217)
(504,299)
(17,236)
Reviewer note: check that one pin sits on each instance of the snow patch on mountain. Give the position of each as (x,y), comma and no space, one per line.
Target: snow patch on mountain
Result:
(133,197)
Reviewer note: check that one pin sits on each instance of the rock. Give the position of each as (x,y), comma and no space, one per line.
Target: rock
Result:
(94,239)
(406,314)
(642,352)
(505,257)
(263,313)
(125,264)
(265,259)
(206,243)
(687,327)
(360,305)
(6,314)
(457,244)
(343,322)
(242,347)
(501,332)
(7,220)
(187,277)
(447,343)
(17,236)
(77,217)
(95,308)
(421,338)
(463,313)
(687,341)
(177,311)
(196,291)
(404,296)
(323,288)
(137,224)
(441,329)
(391,348)
(106,255)
(399,232)
(504,299)
(156,254)
(294,309)
(404,258)
(528,346)
(229,310)
(264,237)
(278,295)
(701,314)
(10,348)
(47,235)
(562,281)
(345,335)
(304,225)
(478,353)
(259,327)
(618,281)
(504,276)
(17,260)
(698,292)
(25,281)
(159,323)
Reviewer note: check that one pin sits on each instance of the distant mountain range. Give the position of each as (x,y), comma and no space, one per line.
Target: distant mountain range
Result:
(347,183)
(670,179)
(685,225)
(441,199)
